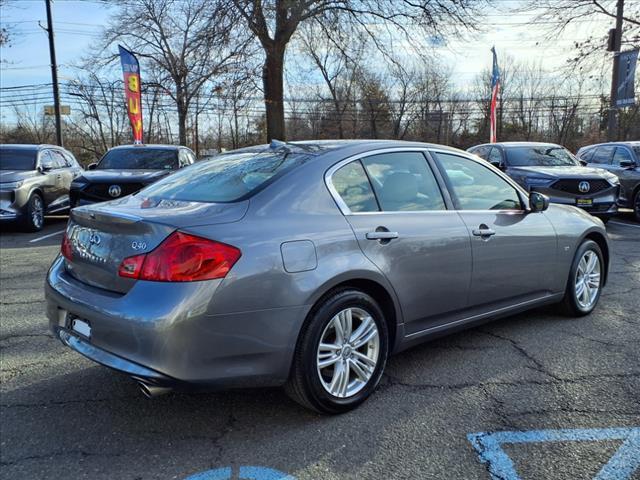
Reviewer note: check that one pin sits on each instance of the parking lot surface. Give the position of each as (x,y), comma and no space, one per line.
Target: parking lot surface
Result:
(536,395)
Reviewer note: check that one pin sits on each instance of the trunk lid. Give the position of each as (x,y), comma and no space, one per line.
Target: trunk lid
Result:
(103,235)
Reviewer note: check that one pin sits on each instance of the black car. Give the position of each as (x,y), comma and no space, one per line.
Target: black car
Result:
(34,181)
(622,159)
(552,170)
(126,169)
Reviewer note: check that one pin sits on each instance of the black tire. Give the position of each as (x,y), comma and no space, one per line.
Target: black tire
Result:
(304,384)
(636,206)
(33,219)
(571,306)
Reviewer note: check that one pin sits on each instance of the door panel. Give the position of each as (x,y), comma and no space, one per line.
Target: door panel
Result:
(515,263)
(514,252)
(428,264)
(48,182)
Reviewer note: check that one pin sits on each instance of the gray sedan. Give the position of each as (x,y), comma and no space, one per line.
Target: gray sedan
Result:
(307,264)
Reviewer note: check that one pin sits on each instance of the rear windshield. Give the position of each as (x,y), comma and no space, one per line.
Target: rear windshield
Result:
(540,157)
(225,178)
(17,159)
(139,159)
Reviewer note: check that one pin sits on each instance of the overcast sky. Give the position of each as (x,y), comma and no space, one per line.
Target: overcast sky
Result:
(78,23)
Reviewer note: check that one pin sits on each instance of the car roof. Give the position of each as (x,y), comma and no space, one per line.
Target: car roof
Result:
(633,143)
(28,146)
(317,147)
(519,144)
(148,146)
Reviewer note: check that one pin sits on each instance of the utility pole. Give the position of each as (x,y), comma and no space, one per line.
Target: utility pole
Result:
(612,133)
(54,74)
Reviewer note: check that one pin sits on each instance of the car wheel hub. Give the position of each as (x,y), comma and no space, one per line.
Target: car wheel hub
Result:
(348,352)
(587,282)
(37,212)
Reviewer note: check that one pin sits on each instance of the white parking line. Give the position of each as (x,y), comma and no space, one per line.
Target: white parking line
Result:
(46,236)
(624,224)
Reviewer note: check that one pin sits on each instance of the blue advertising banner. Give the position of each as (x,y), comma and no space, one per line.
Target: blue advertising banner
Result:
(626,78)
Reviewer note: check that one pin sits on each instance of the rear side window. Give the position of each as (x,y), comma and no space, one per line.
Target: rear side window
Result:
(225,178)
(476,187)
(403,182)
(602,155)
(353,186)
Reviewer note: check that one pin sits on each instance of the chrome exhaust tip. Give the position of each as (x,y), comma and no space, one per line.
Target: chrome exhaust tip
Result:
(151,391)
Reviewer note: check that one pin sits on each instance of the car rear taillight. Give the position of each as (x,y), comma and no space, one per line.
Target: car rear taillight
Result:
(182,258)
(65,248)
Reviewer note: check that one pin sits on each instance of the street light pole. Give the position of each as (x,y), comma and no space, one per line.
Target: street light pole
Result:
(54,74)
(612,133)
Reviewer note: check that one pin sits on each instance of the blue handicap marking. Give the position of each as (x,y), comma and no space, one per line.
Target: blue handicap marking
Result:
(624,462)
(244,473)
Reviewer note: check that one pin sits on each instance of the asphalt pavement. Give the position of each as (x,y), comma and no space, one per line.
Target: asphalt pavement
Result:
(536,395)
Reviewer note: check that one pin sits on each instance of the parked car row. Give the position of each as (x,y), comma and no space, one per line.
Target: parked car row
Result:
(46,179)
(599,180)
(36,180)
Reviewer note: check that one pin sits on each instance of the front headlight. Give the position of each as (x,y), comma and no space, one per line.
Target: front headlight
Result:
(78,184)
(537,181)
(613,180)
(11,185)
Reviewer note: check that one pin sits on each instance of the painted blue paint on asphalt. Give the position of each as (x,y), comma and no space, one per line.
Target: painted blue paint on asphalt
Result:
(620,466)
(245,473)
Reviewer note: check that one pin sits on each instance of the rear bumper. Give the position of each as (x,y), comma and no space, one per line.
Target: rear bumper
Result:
(161,332)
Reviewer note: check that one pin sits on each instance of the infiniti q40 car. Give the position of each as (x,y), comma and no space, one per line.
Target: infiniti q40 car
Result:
(308,264)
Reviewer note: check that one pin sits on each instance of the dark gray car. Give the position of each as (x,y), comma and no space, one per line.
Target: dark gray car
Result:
(308,264)
(553,171)
(623,160)
(34,181)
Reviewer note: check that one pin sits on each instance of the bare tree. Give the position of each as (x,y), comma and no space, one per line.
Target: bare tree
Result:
(191,42)
(274,23)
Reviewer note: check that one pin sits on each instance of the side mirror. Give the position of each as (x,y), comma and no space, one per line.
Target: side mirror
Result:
(583,163)
(92,166)
(627,164)
(538,202)
(44,168)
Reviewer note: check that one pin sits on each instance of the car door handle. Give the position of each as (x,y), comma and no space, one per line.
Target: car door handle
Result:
(483,232)
(382,235)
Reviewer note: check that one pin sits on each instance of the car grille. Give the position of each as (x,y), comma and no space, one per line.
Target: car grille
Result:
(101,190)
(572,186)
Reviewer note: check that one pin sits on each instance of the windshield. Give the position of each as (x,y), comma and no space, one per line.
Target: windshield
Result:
(139,159)
(225,178)
(543,156)
(17,159)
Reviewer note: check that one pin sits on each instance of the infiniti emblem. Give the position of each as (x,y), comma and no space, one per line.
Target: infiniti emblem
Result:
(584,187)
(94,239)
(115,190)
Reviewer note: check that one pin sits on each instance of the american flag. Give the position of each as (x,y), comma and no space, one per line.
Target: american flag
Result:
(495,89)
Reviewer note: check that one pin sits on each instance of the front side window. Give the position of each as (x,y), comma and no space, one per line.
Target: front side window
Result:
(46,160)
(136,158)
(477,187)
(353,186)
(58,159)
(403,182)
(225,178)
(621,155)
(602,155)
(540,156)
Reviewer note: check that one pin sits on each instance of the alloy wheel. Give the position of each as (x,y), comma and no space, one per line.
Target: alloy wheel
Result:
(348,352)
(37,212)
(587,281)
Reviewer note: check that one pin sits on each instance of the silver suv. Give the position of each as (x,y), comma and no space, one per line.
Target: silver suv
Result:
(34,181)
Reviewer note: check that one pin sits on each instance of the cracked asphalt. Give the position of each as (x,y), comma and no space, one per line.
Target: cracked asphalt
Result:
(62,416)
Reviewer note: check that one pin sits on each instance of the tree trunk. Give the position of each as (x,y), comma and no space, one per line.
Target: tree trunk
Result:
(183,109)
(272,76)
